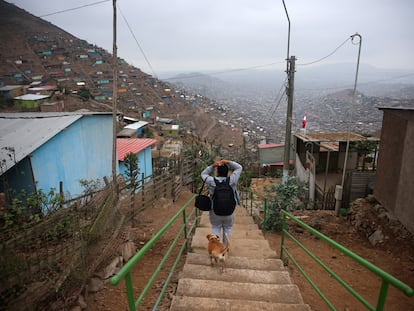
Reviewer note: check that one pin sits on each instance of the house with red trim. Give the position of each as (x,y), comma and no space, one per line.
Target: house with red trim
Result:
(271,157)
(139,146)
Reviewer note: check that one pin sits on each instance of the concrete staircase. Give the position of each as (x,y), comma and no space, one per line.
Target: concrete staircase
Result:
(254,279)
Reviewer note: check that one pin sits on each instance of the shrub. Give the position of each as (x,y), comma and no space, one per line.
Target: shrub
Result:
(289,196)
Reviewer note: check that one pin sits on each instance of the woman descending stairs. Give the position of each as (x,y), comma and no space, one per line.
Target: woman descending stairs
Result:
(254,278)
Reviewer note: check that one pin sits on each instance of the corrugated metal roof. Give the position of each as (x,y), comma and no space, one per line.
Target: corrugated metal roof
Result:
(10,87)
(398,106)
(127,133)
(21,136)
(31,97)
(265,146)
(136,125)
(25,132)
(134,145)
(280,163)
(330,137)
(43,88)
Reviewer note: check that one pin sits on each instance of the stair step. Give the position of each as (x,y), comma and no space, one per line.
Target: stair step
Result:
(239,262)
(237,232)
(234,275)
(181,303)
(254,278)
(238,211)
(238,247)
(286,293)
(245,227)
(238,219)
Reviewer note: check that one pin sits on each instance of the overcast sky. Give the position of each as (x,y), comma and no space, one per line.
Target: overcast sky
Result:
(204,35)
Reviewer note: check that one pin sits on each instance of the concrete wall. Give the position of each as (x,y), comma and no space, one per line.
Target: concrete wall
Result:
(273,154)
(394,182)
(306,175)
(352,161)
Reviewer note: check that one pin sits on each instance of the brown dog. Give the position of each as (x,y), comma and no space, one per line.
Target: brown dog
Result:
(217,249)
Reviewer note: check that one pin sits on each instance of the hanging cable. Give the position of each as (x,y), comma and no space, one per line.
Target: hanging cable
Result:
(136,41)
(325,57)
(277,106)
(224,71)
(73,9)
(278,103)
(279,93)
(361,83)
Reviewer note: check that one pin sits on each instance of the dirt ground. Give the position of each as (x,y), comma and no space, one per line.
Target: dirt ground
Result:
(394,254)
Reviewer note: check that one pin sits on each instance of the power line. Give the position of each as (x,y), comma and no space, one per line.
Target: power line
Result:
(136,41)
(73,9)
(325,57)
(280,96)
(361,83)
(223,71)
(389,79)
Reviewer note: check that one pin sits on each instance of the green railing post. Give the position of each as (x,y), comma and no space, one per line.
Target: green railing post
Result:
(185,230)
(125,272)
(386,278)
(282,238)
(382,295)
(130,291)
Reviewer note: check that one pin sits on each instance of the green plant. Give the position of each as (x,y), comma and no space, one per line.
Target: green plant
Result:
(148,133)
(90,186)
(84,94)
(343,212)
(364,149)
(63,228)
(289,196)
(46,203)
(132,170)
(26,208)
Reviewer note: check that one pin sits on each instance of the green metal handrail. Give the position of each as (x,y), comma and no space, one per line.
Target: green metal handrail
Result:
(386,278)
(125,272)
(246,197)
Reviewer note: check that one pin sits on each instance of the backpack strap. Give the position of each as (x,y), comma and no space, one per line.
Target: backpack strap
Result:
(201,189)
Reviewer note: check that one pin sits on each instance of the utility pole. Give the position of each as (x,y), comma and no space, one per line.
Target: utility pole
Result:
(289,92)
(114,106)
(340,188)
(290,71)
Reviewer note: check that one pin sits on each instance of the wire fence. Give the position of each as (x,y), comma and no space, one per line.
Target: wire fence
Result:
(49,262)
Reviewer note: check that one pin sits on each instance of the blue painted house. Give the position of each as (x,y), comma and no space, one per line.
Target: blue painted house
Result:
(142,148)
(40,150)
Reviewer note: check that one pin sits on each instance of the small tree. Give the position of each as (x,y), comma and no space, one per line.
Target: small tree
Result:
(364,149)
(289,196)
(90,186)
(132,170)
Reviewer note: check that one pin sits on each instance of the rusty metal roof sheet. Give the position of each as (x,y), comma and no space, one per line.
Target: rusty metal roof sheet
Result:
(134,145)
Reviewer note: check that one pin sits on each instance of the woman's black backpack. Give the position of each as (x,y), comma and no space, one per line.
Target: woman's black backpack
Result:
(224,202)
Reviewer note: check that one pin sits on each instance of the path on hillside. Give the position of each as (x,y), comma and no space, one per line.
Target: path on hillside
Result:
(211,126)
(254,278)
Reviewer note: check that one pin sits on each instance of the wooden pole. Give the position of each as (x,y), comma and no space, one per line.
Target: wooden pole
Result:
(114,105)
